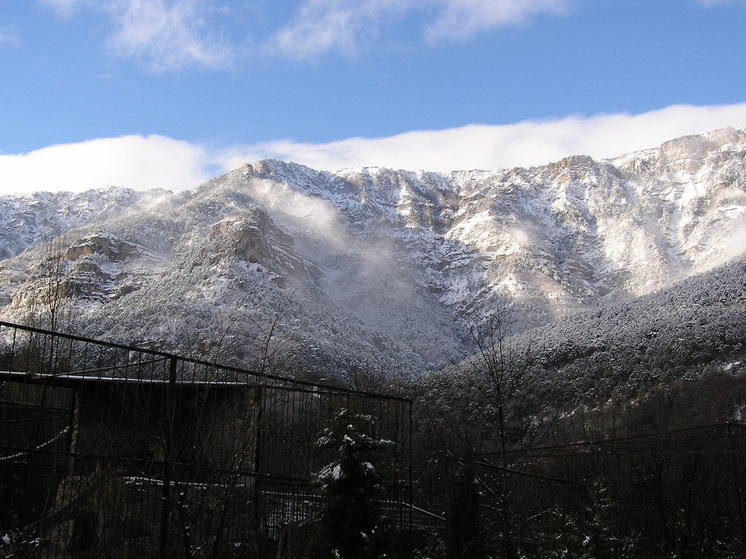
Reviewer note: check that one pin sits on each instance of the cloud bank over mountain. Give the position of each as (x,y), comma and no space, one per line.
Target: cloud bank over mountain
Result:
(374,267)
(143,162)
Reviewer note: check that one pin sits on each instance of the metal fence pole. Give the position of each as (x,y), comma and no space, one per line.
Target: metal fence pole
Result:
(168,448)
(411,487)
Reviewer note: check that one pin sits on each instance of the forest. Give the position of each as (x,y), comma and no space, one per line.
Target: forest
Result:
(610,433)
(617,432)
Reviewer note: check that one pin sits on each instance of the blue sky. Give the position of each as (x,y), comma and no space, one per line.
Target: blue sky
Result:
(169,92)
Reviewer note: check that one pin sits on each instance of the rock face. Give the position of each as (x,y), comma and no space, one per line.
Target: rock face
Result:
(373,267)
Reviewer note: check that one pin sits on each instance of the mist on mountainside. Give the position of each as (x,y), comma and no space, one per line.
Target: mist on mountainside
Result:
(374,268)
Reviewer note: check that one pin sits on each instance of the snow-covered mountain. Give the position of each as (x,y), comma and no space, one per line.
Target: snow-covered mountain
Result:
(372,267)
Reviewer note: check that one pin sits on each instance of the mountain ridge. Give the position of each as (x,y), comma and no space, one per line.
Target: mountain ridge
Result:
(373,267)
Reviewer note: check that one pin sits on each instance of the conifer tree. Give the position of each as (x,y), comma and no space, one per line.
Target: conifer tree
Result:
(349,523)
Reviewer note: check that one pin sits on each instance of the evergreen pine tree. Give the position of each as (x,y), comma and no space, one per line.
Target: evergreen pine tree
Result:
(349,523)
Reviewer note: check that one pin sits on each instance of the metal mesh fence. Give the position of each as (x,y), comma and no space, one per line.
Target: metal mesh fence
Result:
(114,451)
(672,493)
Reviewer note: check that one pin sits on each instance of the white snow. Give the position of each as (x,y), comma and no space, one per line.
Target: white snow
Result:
(379,268)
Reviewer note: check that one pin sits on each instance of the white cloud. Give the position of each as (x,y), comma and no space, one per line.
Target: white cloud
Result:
(173,34)
(480,146)
(168,37)
(165,35)
(9,36)
(139,162)
(157,161)
(63,7)
(460,19)
(319,26)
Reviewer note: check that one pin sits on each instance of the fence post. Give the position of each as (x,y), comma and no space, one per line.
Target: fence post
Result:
(257,466)
(737,481)
(168,456)
(411,485)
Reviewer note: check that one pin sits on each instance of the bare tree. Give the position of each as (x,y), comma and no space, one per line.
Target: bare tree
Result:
(51,297)
(502,371)
(271,341)
(502,375)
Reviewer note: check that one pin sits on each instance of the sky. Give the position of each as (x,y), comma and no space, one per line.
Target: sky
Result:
(168,93)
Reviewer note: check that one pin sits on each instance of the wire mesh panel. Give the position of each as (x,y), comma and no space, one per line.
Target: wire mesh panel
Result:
(289,455)
(654,494)
(114,451)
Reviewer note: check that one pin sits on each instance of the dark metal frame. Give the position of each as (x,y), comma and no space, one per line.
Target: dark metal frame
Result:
(108,450)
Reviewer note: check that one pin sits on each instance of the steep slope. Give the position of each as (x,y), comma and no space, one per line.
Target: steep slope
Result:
(28,220)
(373,267)
(555,238)
(695,326)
